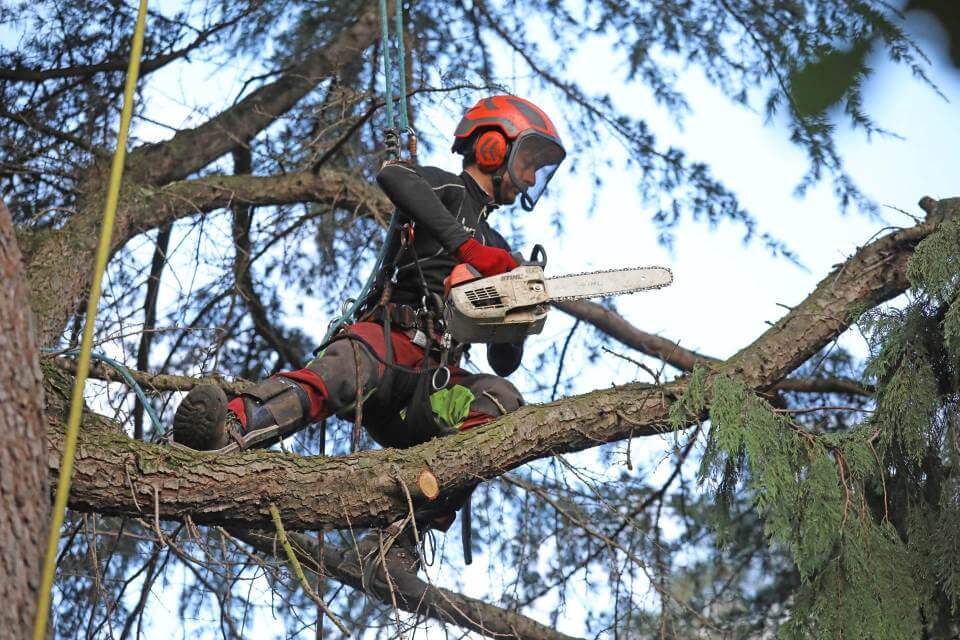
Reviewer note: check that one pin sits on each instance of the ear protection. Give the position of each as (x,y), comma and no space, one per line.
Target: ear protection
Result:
(490,150)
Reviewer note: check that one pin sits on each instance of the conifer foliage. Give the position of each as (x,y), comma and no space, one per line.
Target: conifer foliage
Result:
(869,515)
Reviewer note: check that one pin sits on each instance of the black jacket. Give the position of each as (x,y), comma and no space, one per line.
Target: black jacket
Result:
(446,210)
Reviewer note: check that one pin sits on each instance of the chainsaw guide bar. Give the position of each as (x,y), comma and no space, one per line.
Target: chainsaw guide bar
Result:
(510,306)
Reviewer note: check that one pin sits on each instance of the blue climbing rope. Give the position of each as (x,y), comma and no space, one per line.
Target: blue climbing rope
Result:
(127,377)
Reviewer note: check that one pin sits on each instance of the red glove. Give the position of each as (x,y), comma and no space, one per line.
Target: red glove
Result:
(489,261)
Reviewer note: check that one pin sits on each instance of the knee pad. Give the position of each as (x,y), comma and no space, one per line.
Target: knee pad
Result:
(337,365)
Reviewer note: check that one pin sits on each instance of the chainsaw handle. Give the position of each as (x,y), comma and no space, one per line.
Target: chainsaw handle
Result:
(538,257)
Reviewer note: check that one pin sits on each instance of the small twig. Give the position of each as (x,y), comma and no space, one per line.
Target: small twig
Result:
(298,570)
(916,219)
(412,516)
(563,355)
(133,492)
(156,516)
(653,374)
(826,408)
(389,580)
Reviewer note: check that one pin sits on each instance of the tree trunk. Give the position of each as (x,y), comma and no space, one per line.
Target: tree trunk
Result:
(24,498)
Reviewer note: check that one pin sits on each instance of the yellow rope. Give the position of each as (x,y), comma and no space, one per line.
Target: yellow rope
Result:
(83,364)
(298,570)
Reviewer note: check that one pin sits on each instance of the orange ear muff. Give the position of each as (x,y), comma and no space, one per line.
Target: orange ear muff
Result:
(490,150)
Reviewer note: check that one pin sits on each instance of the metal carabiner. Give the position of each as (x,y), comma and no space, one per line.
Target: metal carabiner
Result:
(345,307)
(446,379)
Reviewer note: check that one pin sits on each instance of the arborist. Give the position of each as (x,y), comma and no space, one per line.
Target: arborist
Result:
(392,364)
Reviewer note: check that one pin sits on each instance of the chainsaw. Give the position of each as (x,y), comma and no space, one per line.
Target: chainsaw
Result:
(510,306)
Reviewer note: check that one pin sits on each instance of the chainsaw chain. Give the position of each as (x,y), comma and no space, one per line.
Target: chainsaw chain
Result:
(612,293)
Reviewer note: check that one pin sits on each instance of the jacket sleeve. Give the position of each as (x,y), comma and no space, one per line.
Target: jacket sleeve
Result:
(415,196)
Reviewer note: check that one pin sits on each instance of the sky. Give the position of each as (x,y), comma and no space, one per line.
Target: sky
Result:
(725,292)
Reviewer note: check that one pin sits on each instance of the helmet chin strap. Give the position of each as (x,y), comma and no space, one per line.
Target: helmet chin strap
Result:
(526,202)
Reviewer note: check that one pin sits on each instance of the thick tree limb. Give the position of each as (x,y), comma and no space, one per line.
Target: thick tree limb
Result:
(57,284)
(367,488)
(618,328)
(192,149)
(413,594)
(190,197)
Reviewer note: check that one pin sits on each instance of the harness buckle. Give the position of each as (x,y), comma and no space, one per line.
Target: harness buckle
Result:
(420,339)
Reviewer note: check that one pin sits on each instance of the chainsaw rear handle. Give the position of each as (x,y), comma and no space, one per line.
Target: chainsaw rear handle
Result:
(538,257)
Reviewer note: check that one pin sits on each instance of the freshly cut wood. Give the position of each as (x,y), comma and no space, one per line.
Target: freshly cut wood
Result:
(429,485)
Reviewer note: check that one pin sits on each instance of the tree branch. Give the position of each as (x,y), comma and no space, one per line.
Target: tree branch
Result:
(413,594)
(192,149)
(617,327)
(119,63)
(243,277)
(190,197)
(152,382)
(366,488)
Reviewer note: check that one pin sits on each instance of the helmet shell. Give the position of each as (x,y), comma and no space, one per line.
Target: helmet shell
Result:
(510,114)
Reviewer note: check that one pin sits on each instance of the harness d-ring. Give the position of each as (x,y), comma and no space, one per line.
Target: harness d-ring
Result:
(446,380)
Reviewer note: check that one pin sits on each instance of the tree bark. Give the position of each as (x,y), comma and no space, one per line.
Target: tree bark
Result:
(24,496)
(119,476)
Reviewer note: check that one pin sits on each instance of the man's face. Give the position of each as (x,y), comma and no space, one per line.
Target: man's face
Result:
(531,164)
(508,190)
(525,171)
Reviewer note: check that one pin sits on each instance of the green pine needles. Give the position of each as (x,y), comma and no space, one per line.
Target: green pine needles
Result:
(870,515)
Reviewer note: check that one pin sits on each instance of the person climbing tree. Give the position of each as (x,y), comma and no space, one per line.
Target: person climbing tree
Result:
(384,365)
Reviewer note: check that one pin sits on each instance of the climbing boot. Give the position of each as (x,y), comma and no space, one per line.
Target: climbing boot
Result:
(201,420)
(264,414)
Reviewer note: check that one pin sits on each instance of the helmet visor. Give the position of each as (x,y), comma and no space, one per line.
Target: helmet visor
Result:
(533,161)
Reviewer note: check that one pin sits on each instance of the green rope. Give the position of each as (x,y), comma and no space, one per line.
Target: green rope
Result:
(402,67)
(392,124)
(387,71)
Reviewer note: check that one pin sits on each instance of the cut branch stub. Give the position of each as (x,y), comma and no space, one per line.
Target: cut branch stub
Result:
(429,485)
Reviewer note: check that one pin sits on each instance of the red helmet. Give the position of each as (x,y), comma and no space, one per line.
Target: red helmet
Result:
(507,134)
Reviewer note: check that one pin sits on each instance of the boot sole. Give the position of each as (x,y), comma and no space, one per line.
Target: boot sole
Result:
(200,420)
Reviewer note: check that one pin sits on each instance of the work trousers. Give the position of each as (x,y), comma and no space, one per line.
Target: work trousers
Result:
(351,369)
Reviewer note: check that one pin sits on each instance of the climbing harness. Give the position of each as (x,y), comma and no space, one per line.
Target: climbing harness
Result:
(86,344)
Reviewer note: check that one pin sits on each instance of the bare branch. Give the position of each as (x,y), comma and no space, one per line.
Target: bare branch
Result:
(618,328)
(119,63)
